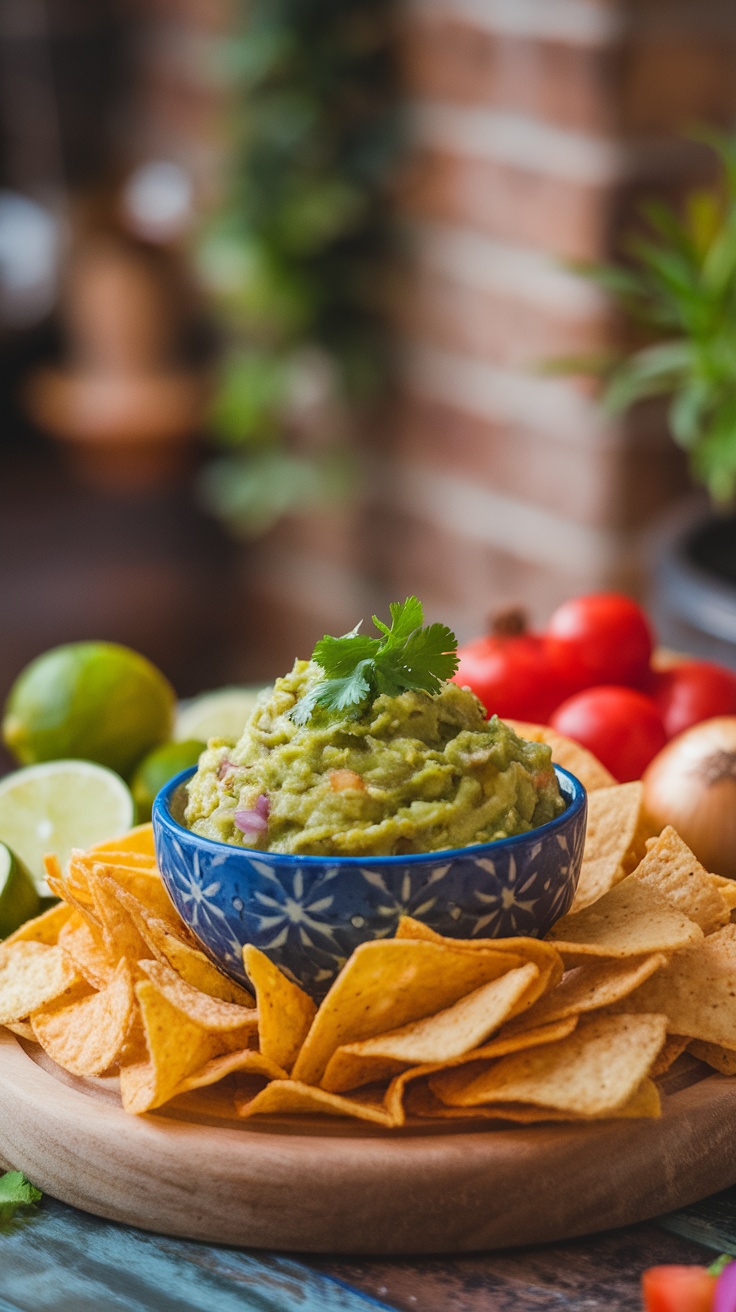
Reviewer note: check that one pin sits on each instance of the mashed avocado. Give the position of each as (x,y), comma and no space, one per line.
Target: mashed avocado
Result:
(414,773)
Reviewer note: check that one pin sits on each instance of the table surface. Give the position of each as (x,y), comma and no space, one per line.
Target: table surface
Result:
(62,1260)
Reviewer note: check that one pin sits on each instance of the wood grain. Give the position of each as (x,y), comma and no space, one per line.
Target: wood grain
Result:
(328,1186)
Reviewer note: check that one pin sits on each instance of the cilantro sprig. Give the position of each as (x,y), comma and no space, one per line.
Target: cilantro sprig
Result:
(407,657)
(16,1192)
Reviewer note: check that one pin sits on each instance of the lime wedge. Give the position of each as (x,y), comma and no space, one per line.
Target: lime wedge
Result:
(19,899)
(58,805)
(220,714)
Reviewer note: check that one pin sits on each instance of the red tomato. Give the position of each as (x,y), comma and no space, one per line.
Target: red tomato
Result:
(623,728)
(677,1289)
(513,676)
(691,692)
(604,638)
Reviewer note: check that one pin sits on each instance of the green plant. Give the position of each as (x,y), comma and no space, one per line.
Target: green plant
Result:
(679,290)
(294,257)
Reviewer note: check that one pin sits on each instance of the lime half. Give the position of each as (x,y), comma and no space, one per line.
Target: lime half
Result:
(19,899)
(58,805)
(220,714)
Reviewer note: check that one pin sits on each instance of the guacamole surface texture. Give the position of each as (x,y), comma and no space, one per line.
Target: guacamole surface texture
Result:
(414,773)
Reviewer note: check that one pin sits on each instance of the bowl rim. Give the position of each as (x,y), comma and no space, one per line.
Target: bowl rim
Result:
(574,790)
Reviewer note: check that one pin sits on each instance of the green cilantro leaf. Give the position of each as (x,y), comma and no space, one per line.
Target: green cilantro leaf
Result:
(407,657)
(16,1192)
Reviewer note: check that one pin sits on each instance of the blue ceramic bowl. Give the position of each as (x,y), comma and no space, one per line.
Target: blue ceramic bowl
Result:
(308,913)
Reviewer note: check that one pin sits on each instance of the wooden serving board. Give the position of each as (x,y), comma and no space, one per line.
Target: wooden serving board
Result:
(323,1185)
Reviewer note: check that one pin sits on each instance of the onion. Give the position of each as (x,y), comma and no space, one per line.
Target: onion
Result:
(691,785)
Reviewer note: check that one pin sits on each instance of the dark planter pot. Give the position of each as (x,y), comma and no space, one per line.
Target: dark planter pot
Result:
(694,583)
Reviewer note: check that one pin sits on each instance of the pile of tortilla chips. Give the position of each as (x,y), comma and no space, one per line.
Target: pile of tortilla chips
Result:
(574,1028)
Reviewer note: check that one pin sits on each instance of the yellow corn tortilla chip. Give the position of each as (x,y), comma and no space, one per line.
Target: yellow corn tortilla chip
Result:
(42,929)
(87,1037)
(674,1046)
(32,974)
(290,1096)
(630,920)
(145,885)
(247,1061)
(137,841)
(423,1102)
(727,890)
(593,1072)
(598,983)
(570,755)
(85,952)
(120,933)
(518,951)
(285,1012)
(23,1029)
(386,984)
(696,991)
(176,950)
(614,834)
(450,1033)
(675,873)
(498,1047)
(210,1013)
(713,1054)
(177,1047)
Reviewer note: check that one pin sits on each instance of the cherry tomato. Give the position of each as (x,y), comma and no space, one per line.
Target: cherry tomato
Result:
(620,726)
(691,692)
(677,1289)
(513,676)
(604,638)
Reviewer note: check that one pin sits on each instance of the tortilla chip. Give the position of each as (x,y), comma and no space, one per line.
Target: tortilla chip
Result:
(247,1061)
(210,1013)
(565,752)
(435,1039)
(32,974)
(23,1029)
(285,1012)
(631,920)
(598,983)
(177,1047)
(615,831)
(85,952)
(175,949)
(727,890)
(386,984)
(593,1072)
(674,1046)
(696,991)
(721,1059)
(423,1102)
(675,873)
(42,929)
(87,1037)
(499,1047)
(290,1096)
(145,885)
(137,841)
(518,951)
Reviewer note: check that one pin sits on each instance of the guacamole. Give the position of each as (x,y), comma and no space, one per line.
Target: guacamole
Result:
(418,772)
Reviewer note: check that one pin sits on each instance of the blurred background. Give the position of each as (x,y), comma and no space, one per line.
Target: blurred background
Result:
(279,288)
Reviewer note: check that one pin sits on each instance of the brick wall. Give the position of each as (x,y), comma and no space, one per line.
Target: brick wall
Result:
(535,125)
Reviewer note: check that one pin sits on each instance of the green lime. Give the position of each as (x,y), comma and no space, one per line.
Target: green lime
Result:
(96,701)
(58,805)
(220,714)
(19,900)
(157,768)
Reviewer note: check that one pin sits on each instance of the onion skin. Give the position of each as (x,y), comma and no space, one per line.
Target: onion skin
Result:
(691,785)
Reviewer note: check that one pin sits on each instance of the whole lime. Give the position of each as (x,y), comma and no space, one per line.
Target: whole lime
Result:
(97,701)
(157,768)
